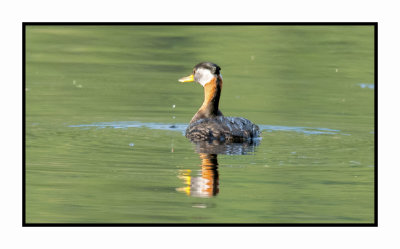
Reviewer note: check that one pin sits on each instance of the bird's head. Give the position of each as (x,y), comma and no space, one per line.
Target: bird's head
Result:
(203,73)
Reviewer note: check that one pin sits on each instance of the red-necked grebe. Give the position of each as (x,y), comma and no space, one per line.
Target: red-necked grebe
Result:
(209,123)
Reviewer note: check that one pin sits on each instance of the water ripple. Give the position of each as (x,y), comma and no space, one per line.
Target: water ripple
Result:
(305,130)
(182,127)
(366,85)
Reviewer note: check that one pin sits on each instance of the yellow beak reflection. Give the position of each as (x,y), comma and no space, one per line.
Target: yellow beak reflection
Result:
(189,78)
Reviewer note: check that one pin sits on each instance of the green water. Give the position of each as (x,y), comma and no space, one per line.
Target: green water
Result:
(125,168)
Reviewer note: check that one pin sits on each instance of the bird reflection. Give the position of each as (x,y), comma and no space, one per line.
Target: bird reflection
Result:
(205,182)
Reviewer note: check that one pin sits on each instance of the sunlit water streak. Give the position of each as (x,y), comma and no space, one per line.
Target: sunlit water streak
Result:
(182,127)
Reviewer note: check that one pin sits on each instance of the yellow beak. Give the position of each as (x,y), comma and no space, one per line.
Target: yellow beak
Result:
(189,78)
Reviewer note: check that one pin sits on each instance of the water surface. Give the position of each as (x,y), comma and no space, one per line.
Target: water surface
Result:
(105,118)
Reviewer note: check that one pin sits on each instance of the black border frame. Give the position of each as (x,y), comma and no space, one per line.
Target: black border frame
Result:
(374,224)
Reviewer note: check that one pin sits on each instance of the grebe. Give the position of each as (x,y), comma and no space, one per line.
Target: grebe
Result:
(209,123)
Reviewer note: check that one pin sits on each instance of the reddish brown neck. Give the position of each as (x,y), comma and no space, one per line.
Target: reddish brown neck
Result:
(212,93)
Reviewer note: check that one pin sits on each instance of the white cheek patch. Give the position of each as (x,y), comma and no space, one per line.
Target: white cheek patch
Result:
(204,76)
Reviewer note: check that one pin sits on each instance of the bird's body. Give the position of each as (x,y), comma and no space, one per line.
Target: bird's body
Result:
(209,123)
(224,129)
